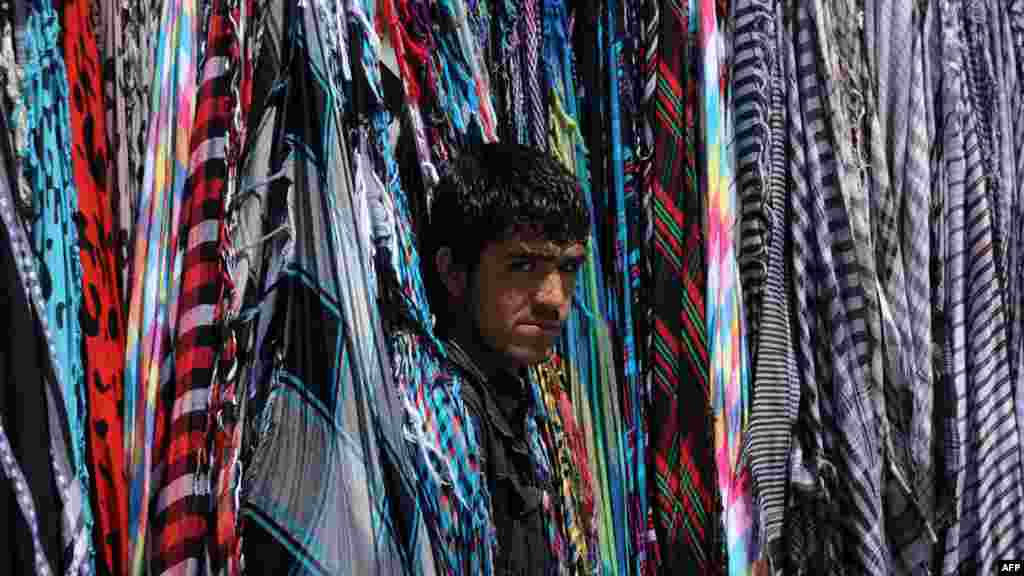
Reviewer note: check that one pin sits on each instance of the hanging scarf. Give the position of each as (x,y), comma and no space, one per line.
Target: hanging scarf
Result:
(227,408)
(552,428)
(626,263)
(45,166)
(315,366)
(683,486)
(463,76)
(452,493)
(102,312)
(759,86)
(728,364)
(900,181)
(566,143)
(404,23)
(755,54)
(977,363)
(589,345)
(836,466)
(128,53)
(155,274)
(34,490)
(451,489)
(181,529)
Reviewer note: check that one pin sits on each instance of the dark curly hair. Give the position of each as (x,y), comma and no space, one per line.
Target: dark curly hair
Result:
(489,191)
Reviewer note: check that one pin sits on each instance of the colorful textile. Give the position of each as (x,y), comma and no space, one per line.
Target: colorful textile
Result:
(315,370)
(607,404)
(453,518)
(155,271)
(30,502)
(625,210)
(227,415)
(452,495)
(463,82)
(728,368)
(762,167)
(566,143)
(555,424)
(181,529)
(683,486)
(408,31)
(102,312)
(532,22)
(45,167)
(756,51)
(589,346)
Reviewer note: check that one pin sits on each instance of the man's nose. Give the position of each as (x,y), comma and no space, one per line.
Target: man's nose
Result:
(551,293)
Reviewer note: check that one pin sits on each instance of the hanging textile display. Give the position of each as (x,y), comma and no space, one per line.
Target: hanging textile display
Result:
(759,90)
(155,270)
(31,493)
(183,535)
(102,308)
(571,529)
(792,344)
(685,490)
(129,33)
(1013,38)
(45,182)
(453,495)
(982,453)
(897,137)
(728,365)
(308,254)
(623,116)
(836,465)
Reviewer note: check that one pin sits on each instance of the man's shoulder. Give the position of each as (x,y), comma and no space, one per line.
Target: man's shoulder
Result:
(458,361)
(457,364)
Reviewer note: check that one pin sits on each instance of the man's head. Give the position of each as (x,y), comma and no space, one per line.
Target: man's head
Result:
(507,234)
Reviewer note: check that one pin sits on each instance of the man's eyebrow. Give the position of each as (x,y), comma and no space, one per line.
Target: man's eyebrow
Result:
(529,254)
(544,256)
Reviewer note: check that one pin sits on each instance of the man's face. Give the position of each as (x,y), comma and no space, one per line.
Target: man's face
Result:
(523,292)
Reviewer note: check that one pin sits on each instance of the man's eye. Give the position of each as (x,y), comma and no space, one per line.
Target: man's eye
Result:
(521,266)
(571,267)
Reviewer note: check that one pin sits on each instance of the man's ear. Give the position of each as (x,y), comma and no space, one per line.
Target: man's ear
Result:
(453,275)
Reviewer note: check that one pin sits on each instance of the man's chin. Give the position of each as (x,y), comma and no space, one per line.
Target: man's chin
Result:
(529,356)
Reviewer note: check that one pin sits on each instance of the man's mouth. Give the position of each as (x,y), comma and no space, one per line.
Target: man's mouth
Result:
(547,328)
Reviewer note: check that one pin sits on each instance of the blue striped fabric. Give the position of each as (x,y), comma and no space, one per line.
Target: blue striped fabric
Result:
(835,510)
(981,445)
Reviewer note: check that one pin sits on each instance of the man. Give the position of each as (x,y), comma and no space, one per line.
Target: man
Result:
(506,237)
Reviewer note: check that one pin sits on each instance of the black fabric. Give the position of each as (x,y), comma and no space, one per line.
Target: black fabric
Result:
(23,365)
(498,405)
(262,553)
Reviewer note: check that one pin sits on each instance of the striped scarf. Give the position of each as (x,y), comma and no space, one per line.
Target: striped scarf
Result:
(980,449)
(836,465)
(181,527)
